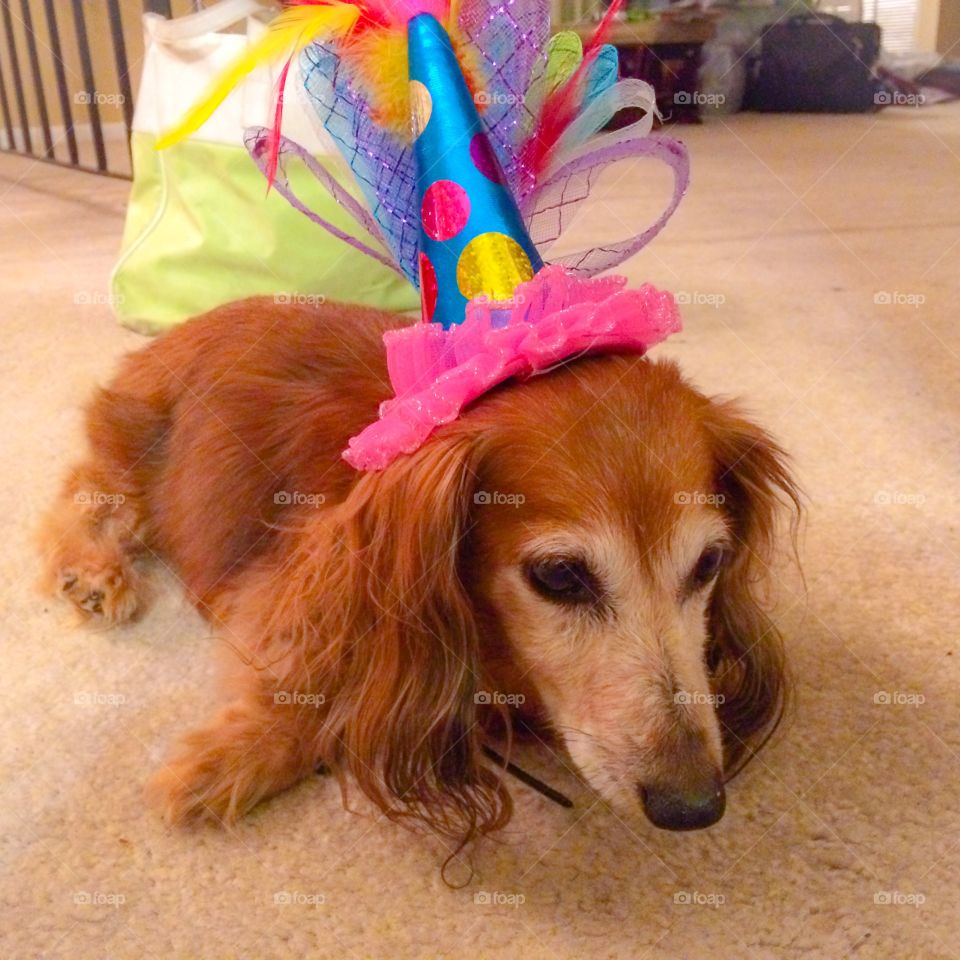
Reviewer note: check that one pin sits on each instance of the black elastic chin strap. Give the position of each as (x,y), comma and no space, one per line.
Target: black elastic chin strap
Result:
(527,778)
(531,781)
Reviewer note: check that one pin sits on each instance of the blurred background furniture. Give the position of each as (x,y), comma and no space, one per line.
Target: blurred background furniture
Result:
(665,50)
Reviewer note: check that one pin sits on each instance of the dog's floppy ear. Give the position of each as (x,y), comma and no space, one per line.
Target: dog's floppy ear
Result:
(397,646)
(745,651)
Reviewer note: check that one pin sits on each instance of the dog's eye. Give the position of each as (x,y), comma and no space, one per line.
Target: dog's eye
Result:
(708,566)
(563,580)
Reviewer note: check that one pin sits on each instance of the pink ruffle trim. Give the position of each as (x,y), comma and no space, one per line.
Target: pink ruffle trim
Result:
(436,372)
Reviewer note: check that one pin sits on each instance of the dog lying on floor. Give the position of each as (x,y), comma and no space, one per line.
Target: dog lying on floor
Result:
(579,556)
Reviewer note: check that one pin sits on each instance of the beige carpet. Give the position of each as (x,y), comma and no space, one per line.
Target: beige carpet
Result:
(842,841)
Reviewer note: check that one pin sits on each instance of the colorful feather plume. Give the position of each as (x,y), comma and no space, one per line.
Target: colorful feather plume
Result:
(565,100)
(370,38)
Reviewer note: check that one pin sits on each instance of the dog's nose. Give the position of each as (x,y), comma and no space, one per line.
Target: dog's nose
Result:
(689,806)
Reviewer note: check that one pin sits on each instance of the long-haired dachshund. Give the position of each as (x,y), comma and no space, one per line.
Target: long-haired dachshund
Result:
(578,554)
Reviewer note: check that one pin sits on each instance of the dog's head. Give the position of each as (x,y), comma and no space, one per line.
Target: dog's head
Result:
(583,548)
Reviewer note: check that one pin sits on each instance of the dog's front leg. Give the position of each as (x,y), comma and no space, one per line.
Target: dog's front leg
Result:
(221,771)
(260,743)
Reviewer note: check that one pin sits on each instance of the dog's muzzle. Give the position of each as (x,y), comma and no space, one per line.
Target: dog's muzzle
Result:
(684,806)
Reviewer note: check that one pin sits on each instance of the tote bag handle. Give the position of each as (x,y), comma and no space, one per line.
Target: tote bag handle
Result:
(196,25)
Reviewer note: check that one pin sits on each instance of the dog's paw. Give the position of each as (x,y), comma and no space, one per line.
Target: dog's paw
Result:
(190,791)
(109,593)
(223,771)
(205,788)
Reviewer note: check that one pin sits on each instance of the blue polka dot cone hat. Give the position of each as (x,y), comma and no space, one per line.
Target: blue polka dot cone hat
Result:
(473,242)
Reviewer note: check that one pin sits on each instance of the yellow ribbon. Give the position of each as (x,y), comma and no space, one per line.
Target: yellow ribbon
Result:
(288,34)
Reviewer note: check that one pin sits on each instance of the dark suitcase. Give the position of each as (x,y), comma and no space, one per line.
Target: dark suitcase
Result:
(814,64)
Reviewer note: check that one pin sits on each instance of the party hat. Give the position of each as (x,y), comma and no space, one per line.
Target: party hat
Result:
(473,241)
(490,308)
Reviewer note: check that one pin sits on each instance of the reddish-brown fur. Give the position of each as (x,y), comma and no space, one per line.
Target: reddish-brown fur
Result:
(362,618)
